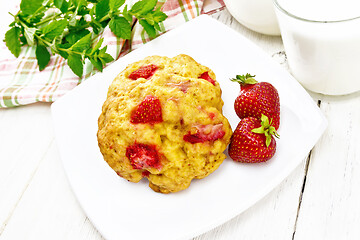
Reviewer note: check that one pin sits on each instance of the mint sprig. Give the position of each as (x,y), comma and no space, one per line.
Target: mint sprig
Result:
(71,28)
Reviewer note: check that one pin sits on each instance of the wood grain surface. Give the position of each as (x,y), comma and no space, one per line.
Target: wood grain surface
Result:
(319,200)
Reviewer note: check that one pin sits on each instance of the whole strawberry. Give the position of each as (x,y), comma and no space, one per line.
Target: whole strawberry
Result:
(253,140)
(257,98)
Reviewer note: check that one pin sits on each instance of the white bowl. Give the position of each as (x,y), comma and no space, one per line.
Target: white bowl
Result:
(257,15)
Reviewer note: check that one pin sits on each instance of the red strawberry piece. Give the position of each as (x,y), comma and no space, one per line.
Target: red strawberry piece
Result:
(148,111)
(143,156)
(204,133)
(205,75)
(253,141)
(143,72)
(257,98)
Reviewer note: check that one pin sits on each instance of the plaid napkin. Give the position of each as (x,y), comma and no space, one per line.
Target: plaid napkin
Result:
(22,83)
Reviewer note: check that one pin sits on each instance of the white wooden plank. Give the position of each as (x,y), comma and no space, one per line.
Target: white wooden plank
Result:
(330,206)
(48,208)
(273,217)
(25,136)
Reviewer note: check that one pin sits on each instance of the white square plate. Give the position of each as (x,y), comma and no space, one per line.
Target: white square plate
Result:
(123,210)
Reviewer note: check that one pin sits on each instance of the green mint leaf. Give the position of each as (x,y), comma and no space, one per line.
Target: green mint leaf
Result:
(106,58)
(75,36)
(95,28)
(120,27)
(54,29)
(58,3)
(157,27)
(29,7)
(137,7)
(159,16)
(102,9)
(84,10)
(148,6)
(42,56)
(150,30)
(115,4)
(61,49)
(96,47)
(78,3)
(64,6)
(150,19)
(37,17)
(97,63)
(72,19)
(126,14)
(83,44)
(12,40)
(75,63)
(29,35)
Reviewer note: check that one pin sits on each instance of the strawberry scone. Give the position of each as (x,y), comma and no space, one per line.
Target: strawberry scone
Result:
(162,120)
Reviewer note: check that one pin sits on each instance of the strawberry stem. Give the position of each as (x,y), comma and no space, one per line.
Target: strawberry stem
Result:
(244,79)
(267,129)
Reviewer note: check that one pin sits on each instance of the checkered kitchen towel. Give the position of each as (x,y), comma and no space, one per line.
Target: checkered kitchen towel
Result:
(22,83)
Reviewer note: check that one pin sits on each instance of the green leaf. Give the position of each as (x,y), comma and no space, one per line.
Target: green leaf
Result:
(157,27)
(75,36)
(83,44)
(267,129)
(159,16)
(102,9)
(29,7)
(97,63)
(120,27)
(244,79)
(100,58)
(72,19)
(36,17)
(42,56)
(136,8)
(65,6)
(150,19)
(115,4)
(79,3)
(150,30)
(258,130)
(29,35)
(12,40)
(268,141)
(54,29)
(105,57)
(75,63)
(143,7)
(265,120)
(127,15)
(58,3)
(148,6)
(96,47)
(61,47)
(95,28)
